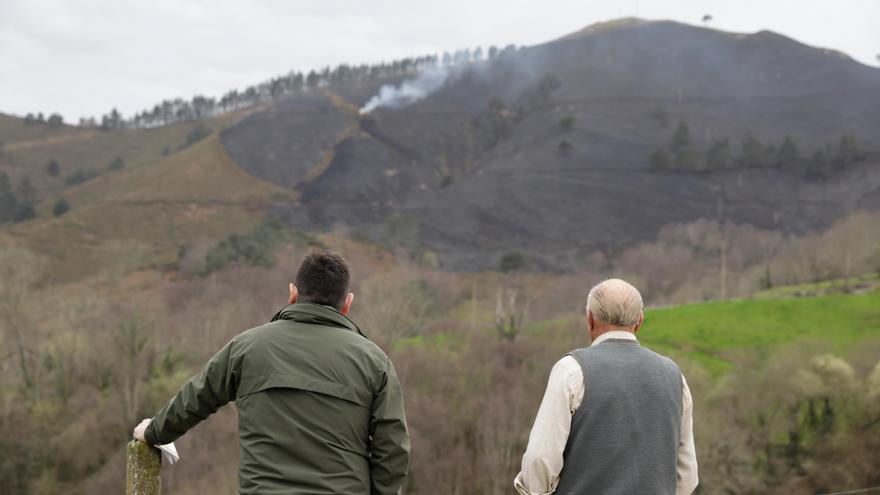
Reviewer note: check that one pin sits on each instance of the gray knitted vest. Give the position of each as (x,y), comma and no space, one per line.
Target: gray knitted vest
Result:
(624,436)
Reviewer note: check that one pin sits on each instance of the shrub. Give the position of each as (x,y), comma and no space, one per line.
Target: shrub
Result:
(848,151)
(718,155)
(789,154)
(7,199)
(564,148)
(53,168)
(512,261)
(26,201)
(116,164)
(566,124)
(198,133)
(660,160)
(61,207)
(80,176)
(661,116)
(681,138)
(254,248)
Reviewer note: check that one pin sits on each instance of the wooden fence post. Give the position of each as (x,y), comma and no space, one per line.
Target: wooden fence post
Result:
(142,469)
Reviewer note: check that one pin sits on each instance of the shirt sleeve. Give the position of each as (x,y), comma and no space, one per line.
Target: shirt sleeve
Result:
(686,469)
(542,461)
(197,399)
(389,438)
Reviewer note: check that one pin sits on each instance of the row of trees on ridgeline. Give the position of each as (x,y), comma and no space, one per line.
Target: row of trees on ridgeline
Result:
(199,107)
(54,120)
(682,154)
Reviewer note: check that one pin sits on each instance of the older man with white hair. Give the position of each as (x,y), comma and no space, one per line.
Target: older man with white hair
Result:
(616,417)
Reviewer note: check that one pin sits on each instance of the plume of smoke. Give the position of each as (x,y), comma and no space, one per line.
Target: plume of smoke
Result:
(410,91)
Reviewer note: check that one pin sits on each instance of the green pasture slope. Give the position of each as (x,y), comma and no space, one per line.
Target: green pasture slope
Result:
(720,334)
(713,333)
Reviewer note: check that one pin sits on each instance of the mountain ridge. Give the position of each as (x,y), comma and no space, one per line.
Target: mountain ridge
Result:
(543,150)
(468,162)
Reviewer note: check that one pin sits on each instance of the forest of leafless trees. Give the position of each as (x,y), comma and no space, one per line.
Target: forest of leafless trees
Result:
(84,361)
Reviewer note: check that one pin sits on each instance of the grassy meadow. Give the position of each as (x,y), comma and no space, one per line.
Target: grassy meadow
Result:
(714,333)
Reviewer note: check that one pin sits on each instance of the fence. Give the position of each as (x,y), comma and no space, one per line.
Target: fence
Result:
(142,469)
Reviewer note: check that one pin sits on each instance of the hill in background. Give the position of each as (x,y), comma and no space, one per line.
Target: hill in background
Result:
(549,154)
(176,188)
(546,150)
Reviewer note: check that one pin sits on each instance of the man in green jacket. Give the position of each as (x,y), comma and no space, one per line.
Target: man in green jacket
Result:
(320,409)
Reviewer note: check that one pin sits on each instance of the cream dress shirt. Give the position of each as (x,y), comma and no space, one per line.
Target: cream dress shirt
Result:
(542,462)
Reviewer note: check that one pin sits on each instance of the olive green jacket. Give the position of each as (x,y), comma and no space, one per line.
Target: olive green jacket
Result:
(320,408)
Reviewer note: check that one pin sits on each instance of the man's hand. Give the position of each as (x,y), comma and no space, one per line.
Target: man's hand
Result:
(139,430)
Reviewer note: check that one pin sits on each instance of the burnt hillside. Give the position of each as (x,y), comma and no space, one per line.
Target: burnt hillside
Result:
(548,149)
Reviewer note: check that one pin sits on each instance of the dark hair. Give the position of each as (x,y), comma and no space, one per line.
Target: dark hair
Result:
(323,278)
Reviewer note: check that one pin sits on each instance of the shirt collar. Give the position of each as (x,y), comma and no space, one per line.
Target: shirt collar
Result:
(615,334)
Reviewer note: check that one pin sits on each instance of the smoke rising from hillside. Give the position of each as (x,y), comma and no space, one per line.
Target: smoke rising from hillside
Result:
(410,91)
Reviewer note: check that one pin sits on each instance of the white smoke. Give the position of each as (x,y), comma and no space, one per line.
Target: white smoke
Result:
(410,91)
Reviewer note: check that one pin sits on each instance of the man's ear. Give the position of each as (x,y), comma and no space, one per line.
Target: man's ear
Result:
(591,326)
(639,324)
(591,322)
(346,307)
(294,294)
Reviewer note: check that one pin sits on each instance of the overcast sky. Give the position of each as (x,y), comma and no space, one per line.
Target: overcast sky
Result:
(82,57)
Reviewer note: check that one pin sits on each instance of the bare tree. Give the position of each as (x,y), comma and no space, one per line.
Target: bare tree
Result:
(510,312)
(19,270)
(131,335)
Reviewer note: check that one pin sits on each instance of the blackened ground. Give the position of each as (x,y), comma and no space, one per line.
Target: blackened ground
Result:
(486,166)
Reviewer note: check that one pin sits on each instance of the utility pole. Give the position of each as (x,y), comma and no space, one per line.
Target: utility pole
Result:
(723,264)
(473,305)
(723,227)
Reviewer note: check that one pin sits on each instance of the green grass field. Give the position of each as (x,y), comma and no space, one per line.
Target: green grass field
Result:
(713,333)
(721,334)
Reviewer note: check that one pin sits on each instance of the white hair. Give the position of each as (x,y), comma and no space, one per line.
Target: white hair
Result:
(615,302)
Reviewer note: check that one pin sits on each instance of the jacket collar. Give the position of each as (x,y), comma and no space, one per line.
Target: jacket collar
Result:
(615,335)
(316,314)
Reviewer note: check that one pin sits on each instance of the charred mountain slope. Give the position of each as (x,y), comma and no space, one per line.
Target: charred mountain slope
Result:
(545,149)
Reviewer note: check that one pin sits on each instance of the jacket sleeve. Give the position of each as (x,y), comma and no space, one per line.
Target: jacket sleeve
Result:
(199,397)
(389,438)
